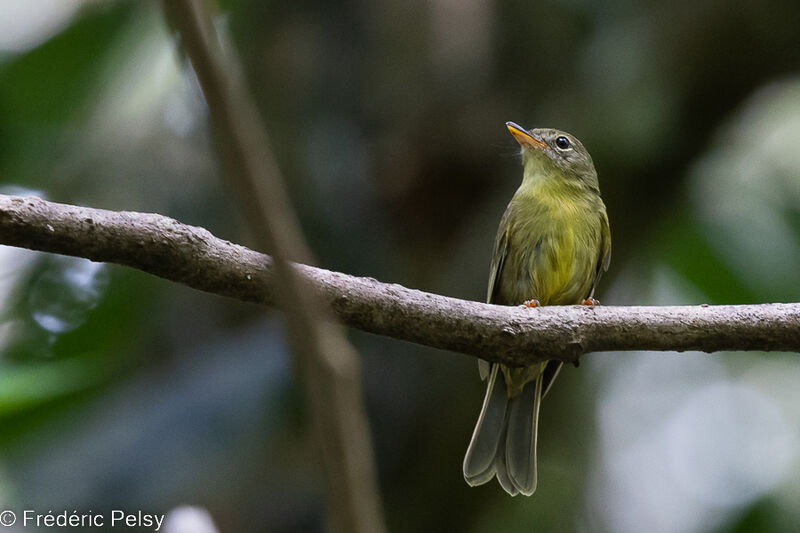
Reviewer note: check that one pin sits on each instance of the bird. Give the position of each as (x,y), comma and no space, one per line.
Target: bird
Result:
(552,245)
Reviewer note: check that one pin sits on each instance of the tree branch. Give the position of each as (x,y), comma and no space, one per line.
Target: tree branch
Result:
(329,365)
(512,335)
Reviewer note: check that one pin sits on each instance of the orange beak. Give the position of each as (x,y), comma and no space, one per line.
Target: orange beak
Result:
(523,137)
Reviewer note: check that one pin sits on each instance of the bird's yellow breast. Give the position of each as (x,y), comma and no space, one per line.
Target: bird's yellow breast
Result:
(554,239)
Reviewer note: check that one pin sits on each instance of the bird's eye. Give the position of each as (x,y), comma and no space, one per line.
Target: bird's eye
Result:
(562,143)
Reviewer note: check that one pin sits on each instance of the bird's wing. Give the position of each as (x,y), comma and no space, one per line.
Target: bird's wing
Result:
(604,254)
(499,257)
(495,272)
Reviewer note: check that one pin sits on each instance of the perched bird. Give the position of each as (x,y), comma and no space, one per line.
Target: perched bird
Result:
(552,245)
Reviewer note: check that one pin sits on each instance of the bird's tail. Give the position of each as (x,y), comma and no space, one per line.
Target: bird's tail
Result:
(504,441)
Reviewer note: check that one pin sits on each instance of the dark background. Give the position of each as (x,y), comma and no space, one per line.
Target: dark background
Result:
(120,390)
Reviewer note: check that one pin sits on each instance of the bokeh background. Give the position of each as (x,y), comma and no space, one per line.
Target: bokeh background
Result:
(121,390)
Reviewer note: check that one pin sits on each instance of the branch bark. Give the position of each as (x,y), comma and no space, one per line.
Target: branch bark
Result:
(512,335)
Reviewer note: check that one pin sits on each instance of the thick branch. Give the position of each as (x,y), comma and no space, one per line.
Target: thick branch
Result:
(513,335)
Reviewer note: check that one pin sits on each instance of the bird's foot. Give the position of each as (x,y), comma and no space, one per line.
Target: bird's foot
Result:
(590,301)
(531,303)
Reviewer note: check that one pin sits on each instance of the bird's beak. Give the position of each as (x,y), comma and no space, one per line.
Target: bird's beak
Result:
(523,136)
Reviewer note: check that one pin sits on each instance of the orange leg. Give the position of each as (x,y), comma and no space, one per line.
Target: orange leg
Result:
(590,301)
(531,303)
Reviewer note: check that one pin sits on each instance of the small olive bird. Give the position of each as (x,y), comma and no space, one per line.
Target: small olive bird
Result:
(551,247)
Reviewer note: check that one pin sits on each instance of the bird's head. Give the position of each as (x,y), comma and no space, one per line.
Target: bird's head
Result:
(547,151)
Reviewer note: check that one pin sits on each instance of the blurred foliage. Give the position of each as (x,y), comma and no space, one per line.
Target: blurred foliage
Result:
(121,390)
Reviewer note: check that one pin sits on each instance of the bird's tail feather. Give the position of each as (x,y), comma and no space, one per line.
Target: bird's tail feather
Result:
(521,433)
(504,440)
(479,463)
